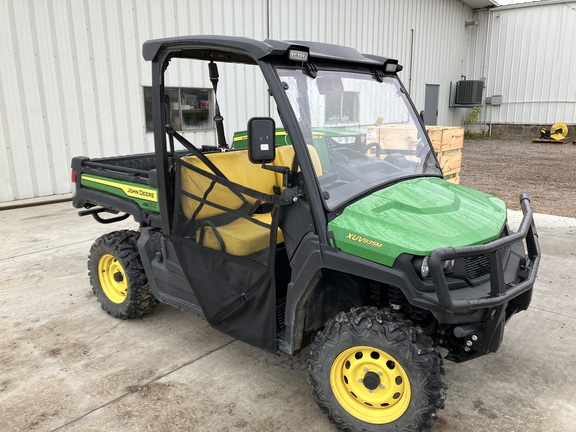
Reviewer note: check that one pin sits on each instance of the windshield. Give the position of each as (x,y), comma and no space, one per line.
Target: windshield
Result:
(365,132)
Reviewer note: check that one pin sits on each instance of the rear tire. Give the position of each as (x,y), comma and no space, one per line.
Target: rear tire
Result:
(374,370)
(117,276)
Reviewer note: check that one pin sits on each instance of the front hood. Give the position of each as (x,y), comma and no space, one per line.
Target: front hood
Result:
(415,217)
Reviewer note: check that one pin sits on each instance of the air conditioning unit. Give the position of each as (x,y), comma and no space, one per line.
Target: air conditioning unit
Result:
(469,93)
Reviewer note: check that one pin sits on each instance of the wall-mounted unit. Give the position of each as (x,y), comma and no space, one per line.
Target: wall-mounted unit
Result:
(468,93)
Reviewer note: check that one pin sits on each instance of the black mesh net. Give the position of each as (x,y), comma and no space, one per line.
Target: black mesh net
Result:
(225,237)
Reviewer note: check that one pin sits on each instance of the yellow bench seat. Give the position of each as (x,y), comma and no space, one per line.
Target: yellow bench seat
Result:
(240,237)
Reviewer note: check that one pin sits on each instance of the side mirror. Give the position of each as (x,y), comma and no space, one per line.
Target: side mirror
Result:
(261,140)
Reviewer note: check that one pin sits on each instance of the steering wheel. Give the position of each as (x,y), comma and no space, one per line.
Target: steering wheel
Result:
(399,160)
(347,154)
(369,146)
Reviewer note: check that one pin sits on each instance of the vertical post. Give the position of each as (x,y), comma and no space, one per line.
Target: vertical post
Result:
(165,183)
(497,284)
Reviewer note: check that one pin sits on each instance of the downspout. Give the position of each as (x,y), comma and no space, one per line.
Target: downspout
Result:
(268,19)
(486,68)
(411,61)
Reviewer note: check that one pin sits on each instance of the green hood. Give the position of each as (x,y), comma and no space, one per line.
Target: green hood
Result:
(417,216)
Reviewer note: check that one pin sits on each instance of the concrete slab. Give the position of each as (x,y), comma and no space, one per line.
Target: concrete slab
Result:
(66,365)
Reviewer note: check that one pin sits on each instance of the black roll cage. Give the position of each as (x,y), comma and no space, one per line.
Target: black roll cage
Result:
(267,55)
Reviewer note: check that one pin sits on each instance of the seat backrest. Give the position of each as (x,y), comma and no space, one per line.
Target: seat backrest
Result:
(285,157)
(236,166)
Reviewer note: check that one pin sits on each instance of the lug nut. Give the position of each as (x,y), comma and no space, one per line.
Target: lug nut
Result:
(469,343)
(466,349)
(474,338)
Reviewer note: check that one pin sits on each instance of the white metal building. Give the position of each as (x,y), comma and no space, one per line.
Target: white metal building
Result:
(72,79)
(527,55)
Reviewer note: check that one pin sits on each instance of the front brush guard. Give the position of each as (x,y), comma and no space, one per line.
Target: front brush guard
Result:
(500,292)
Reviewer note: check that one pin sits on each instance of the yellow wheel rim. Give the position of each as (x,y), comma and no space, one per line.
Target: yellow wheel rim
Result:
(112,278)
(370,385)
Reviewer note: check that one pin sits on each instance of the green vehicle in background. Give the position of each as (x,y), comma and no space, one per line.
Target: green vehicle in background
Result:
(322,138)
(309,233)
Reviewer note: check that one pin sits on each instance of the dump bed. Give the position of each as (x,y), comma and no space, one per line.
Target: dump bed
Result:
(122,184)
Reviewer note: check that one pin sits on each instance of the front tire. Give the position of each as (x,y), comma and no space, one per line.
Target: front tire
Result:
(374,370)
(117,276)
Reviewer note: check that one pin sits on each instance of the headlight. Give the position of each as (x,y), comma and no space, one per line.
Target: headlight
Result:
(448,265)
(421,265)
(424,269)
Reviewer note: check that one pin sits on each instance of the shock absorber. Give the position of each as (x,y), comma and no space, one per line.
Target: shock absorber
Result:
(396,298)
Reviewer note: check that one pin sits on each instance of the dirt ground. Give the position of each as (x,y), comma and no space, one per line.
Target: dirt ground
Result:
(506,168)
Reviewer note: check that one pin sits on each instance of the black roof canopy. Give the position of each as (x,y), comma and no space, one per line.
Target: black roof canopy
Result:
(245,50)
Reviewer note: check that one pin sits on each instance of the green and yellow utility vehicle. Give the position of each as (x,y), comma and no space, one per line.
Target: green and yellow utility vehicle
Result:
(369,255)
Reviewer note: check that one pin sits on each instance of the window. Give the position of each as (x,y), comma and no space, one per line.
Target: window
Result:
(342,107)
(190,108)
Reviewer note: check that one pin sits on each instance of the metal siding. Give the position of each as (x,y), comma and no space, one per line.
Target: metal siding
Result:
(74,82)
(384,27)
(531,56)
(17,126)
(8,183)
(64,129)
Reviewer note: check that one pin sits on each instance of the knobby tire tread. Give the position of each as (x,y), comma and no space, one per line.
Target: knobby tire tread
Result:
(123,245)
(402,335)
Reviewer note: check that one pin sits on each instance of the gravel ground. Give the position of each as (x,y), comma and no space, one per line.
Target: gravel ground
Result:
(506,168)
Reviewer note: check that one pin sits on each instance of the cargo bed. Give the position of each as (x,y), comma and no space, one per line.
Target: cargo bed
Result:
(125,185)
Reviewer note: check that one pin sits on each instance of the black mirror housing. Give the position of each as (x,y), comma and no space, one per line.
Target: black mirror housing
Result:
(261,140)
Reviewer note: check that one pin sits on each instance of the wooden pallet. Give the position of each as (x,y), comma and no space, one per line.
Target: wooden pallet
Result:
(553,141)
(453,177)
(447,142)
(445,139)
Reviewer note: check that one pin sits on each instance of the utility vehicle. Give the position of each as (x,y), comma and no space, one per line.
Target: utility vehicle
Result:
(369,256)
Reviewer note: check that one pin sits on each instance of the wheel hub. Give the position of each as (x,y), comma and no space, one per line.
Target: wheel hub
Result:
(112,278)
(371,381)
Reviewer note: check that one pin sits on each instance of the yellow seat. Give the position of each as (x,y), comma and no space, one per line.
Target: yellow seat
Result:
(240,237)
(237,168)
(285,157)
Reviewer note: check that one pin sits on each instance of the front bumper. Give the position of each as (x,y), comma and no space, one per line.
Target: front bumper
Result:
(500,291)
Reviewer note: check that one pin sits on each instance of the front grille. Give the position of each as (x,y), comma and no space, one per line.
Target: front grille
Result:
(477,266)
